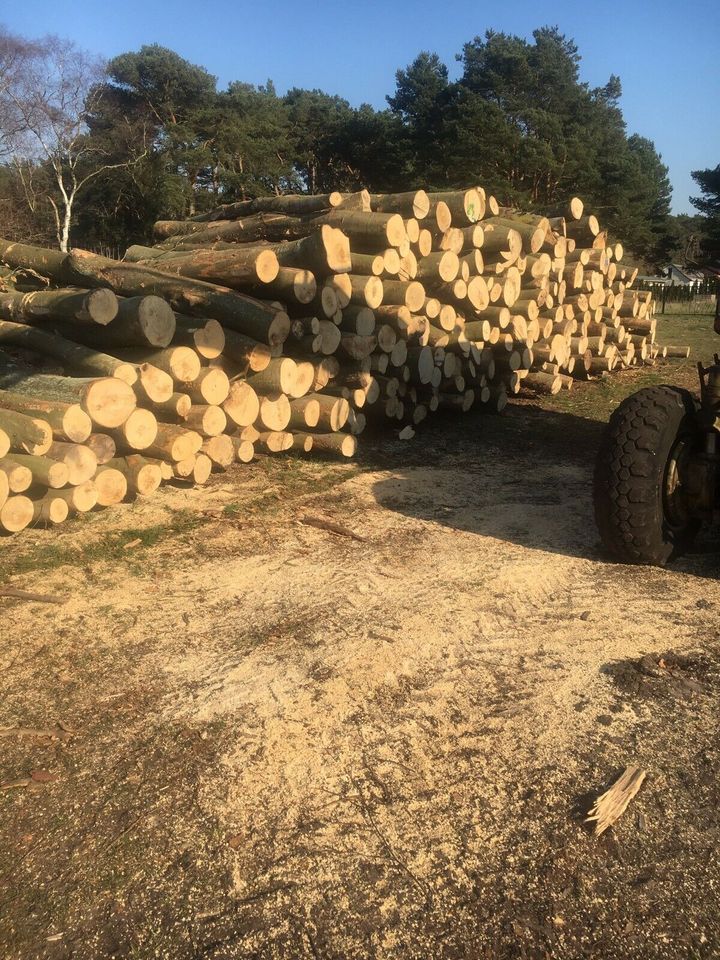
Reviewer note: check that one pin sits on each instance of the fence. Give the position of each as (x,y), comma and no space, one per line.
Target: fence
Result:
(701,296)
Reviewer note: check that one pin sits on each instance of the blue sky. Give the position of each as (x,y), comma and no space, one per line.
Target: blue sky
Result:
(666,53)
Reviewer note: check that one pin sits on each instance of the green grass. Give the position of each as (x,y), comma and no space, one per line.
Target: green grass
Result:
(106,546)
(597,399)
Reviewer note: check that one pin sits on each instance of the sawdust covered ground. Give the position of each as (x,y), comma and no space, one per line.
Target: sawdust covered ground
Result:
(277,742)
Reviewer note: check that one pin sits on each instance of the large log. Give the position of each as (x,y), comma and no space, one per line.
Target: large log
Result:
(230,268)
(75,306)
(291,203)
(67,420)
(76,357)
(387,229)
(48,263)
(195,297)
(107,400)
(46,471)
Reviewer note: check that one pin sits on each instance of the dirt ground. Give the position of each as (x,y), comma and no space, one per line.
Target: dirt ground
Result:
(272,741)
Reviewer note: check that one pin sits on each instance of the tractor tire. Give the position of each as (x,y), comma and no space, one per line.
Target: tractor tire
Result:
(638,497)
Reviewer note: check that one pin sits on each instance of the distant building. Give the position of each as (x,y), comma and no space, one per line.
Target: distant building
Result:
(684,276)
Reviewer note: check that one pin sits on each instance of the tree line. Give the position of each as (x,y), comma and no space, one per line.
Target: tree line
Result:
(93,153)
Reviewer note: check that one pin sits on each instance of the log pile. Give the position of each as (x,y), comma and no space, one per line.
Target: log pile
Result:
(288,323)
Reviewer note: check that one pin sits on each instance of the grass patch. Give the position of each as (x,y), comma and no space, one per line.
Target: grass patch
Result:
(106,546)
(597,399)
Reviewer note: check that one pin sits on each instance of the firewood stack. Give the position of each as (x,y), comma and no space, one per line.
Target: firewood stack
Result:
(288,323)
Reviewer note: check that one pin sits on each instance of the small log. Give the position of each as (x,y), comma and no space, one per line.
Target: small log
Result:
(80,499)
(207,420)
(208,340)
(68,421)
(337,444)
(79,459)
(220,450)
(44,471)
(195,469)
(274,413)
(278,377)
(414,204)
(236,268)
(275,441)
(174,443)
(292,284)
(18,477)
(49,509)
(386,229)
(142,475)
(246,352)
(244,449)
(211,386)
(408,294)
(26,434)
(111,486)
(176,408)
(102,445)
(180,363)
(304,412)
(16,513)
(139,430)
(69,305)
(242,404)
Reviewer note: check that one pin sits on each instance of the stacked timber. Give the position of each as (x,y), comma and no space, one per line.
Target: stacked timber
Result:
(289,323)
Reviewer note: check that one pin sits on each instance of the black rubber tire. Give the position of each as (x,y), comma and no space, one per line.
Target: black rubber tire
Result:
(630,473)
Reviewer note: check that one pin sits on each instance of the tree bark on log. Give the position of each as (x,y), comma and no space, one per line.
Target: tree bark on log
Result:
(196,297)
(73,355)
(24,256)
(26,434)
(229,268)
(103,446)
(45,471)
(49,509)
(96,307)
(248,353)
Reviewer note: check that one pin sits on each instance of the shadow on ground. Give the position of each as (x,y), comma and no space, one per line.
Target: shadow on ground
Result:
(522,478)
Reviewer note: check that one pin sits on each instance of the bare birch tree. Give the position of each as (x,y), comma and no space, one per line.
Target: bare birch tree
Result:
(49,89)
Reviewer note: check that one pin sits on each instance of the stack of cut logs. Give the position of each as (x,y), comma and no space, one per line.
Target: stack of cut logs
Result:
(288,323)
